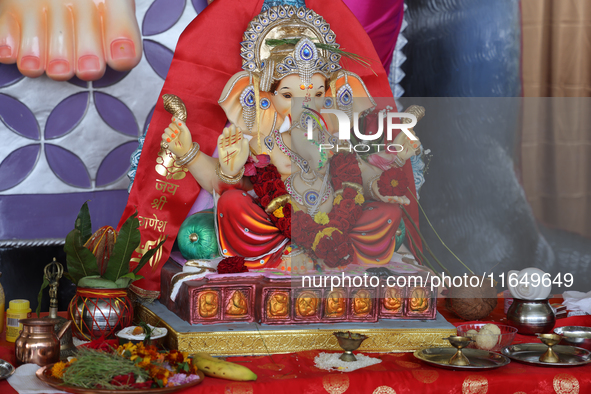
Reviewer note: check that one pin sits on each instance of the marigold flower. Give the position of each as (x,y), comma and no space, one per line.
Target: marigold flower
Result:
(326,232)
(359,199)
(337,200)
(278,213)
(321,218)
(57,371)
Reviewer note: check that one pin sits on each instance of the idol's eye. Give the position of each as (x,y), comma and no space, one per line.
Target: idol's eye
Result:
(287,95)
(319,94)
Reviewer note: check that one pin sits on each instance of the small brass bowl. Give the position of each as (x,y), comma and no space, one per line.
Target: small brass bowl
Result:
(349,341)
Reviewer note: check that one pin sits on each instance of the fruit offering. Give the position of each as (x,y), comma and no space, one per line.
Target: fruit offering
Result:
(217,368)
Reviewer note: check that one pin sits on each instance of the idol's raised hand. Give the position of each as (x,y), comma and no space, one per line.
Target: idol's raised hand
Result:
(233,150)
(177,138)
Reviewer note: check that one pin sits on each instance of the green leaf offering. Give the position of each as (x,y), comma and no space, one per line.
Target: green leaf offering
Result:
(83,223)
(128,240)
(147,256)
(80,261)
(114,251)
(97,282)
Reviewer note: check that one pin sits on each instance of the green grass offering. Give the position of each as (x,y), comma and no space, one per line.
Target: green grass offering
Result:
(94,367)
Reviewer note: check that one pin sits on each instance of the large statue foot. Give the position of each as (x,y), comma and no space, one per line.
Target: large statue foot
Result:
(69,37)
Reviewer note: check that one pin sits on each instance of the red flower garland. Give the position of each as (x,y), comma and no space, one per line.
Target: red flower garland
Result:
(344,168)
(335,249)
(268,185)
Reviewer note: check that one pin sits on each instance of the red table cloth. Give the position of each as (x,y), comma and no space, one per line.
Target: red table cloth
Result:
(397,373)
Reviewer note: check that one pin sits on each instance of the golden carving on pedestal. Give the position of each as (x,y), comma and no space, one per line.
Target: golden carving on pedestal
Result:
(336,304)
(208,304)
(307,304)
(237,304)
(263,342)
(419,300)
(278,305)
(362,303)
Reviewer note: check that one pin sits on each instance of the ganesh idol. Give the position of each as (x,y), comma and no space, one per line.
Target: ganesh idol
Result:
(289,195)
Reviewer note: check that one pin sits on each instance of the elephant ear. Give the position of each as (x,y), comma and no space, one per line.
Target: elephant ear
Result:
(230,103)
(362,100)
(348,81)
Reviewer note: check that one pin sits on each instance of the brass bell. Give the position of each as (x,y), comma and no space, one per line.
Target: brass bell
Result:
(53,272)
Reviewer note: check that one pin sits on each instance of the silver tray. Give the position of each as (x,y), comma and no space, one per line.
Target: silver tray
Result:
(479,359)
(530,353)
(6,369)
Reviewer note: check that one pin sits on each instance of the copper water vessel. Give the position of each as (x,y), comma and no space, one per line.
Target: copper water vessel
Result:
(38,343)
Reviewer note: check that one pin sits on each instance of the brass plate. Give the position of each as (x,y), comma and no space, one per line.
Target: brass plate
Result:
(530,353)
(263,342)
(44,375)
(6,369)
(479,359)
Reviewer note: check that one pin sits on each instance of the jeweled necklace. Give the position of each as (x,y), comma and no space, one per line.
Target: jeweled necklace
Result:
(311,199)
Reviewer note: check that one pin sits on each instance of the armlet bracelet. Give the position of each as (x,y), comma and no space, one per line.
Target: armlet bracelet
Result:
(230,180)
(189,156)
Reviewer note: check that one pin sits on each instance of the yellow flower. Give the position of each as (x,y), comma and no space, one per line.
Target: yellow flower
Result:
(394,183)
(57,371)
(321,218)
(278,213)
(359,199)
(337,200)
(326,232)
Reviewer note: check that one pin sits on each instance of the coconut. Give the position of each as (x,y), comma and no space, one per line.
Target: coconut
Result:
(472,303)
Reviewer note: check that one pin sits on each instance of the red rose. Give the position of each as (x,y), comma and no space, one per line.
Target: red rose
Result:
(284,225)
(349,193)
(123,380)
(303,229)
(393,183)
(259,189)
(232,265)
(347,205)
(356,213)
(344,168)
(265,200)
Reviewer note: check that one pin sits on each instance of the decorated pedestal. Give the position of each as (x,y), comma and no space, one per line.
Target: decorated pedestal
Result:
(233,339)
(257,313)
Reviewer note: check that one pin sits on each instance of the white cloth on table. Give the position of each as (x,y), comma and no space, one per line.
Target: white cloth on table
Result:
(331,362)
(24,381)
(577,303)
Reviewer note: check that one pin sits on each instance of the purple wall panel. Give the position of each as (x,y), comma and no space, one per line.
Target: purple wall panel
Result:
(67,166)
(161,16)
(17,166)
(66,115)
(18,117)
(21,218)
(116,164)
